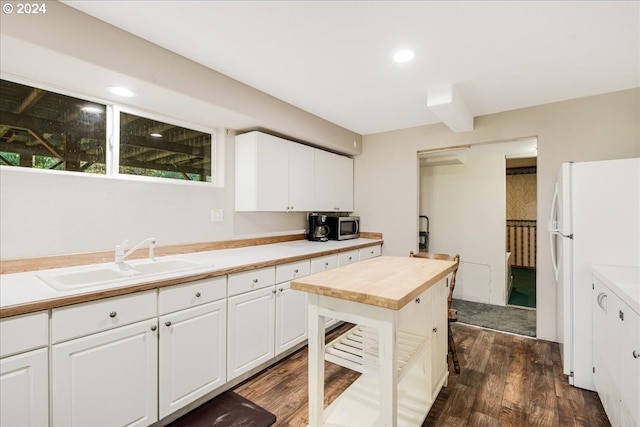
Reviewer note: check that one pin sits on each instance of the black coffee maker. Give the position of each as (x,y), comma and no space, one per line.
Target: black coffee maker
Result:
(318,229)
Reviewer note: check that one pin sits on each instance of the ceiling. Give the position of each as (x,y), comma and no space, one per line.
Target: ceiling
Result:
(333,58)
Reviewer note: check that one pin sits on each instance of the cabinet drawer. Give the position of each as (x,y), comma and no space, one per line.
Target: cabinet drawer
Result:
(95,316)
(22,333)
(239,283)
(345,258)
(174,298)
(370,252)
(292,270)
(324,263)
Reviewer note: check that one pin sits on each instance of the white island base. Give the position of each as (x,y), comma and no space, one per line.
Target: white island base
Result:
(400,349)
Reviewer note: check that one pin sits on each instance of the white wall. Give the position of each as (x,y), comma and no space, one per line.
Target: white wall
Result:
(593,128)
(50,213)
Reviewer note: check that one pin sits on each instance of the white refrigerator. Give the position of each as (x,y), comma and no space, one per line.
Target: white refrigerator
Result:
(595,219)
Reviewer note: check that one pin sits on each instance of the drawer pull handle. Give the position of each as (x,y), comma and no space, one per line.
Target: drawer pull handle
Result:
(198,294)
(418,300)
(113,314)
(168,323)
(255,280)
(435,330)
(295,271)
(273,291)
(636,355)
(154,327)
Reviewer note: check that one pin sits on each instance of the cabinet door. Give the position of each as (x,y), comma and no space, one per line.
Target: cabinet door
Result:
(250,330)
(325,181)
(192,359)
(343,170)
(439,321)
(291,317)
(107,379)
(262,172)
(322,264)
(628,372)
(24,389)
(301,177)
(333,182)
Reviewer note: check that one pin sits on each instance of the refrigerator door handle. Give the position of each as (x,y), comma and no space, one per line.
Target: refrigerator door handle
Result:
(553,225)
(553,231)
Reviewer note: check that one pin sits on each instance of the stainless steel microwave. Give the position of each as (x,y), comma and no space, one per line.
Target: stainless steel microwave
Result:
(343,227)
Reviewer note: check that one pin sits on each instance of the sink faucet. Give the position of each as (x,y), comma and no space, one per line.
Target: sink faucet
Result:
(121,255)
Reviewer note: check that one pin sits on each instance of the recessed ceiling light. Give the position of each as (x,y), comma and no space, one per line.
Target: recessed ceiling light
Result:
(156,135)
(121,91)
(403,56)
(91,109)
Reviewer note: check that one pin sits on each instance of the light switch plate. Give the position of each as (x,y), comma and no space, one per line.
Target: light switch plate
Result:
(216,215)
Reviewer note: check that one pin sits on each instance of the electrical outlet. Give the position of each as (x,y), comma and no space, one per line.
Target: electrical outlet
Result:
(216,215)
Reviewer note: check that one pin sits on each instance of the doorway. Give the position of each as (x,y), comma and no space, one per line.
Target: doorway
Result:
(521,226)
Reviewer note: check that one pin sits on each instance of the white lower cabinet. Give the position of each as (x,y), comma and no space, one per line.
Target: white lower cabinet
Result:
(104,367)
(193,342)
(265,322)
(291,317)
(107,379)
(24,370)
(250,330)
(24,389)
(616,356)
(439,338)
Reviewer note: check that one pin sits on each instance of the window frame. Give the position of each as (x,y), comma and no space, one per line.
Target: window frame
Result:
(112,140)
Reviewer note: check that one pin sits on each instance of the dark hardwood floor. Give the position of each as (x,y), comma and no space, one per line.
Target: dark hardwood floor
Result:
(505,380)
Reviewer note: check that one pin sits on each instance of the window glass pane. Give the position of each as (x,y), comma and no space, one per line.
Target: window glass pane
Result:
(153,148)
(46,130)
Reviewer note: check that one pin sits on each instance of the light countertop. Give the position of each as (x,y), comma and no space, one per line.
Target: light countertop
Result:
(25,292)
(386,281)
(621,280)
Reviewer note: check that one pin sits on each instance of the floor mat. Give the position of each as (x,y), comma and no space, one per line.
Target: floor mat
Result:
(521,321)
(226,410)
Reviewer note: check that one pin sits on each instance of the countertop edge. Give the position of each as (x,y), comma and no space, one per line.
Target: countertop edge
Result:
(611,277)
(50,303)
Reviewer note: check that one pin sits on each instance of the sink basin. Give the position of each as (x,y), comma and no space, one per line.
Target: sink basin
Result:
(87,277)
(164,266)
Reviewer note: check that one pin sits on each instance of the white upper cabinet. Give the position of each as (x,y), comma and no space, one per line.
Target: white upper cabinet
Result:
(333,182)
(277,175)
(273,174)
(301,177)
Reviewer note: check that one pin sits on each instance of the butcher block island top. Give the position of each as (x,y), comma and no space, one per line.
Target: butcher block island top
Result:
(385,281)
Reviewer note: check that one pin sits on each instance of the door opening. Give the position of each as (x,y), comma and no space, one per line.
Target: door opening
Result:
(521,226)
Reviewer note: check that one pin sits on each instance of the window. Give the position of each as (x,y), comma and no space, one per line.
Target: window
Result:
(47,130)
(153,148)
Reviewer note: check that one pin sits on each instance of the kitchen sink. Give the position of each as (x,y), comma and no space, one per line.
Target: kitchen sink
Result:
(164,266)
(87,277)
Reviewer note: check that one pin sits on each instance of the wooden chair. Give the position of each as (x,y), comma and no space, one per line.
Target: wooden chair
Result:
(451,313)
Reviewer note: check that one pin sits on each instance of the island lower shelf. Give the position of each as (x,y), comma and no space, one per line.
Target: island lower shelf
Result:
(357,349)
